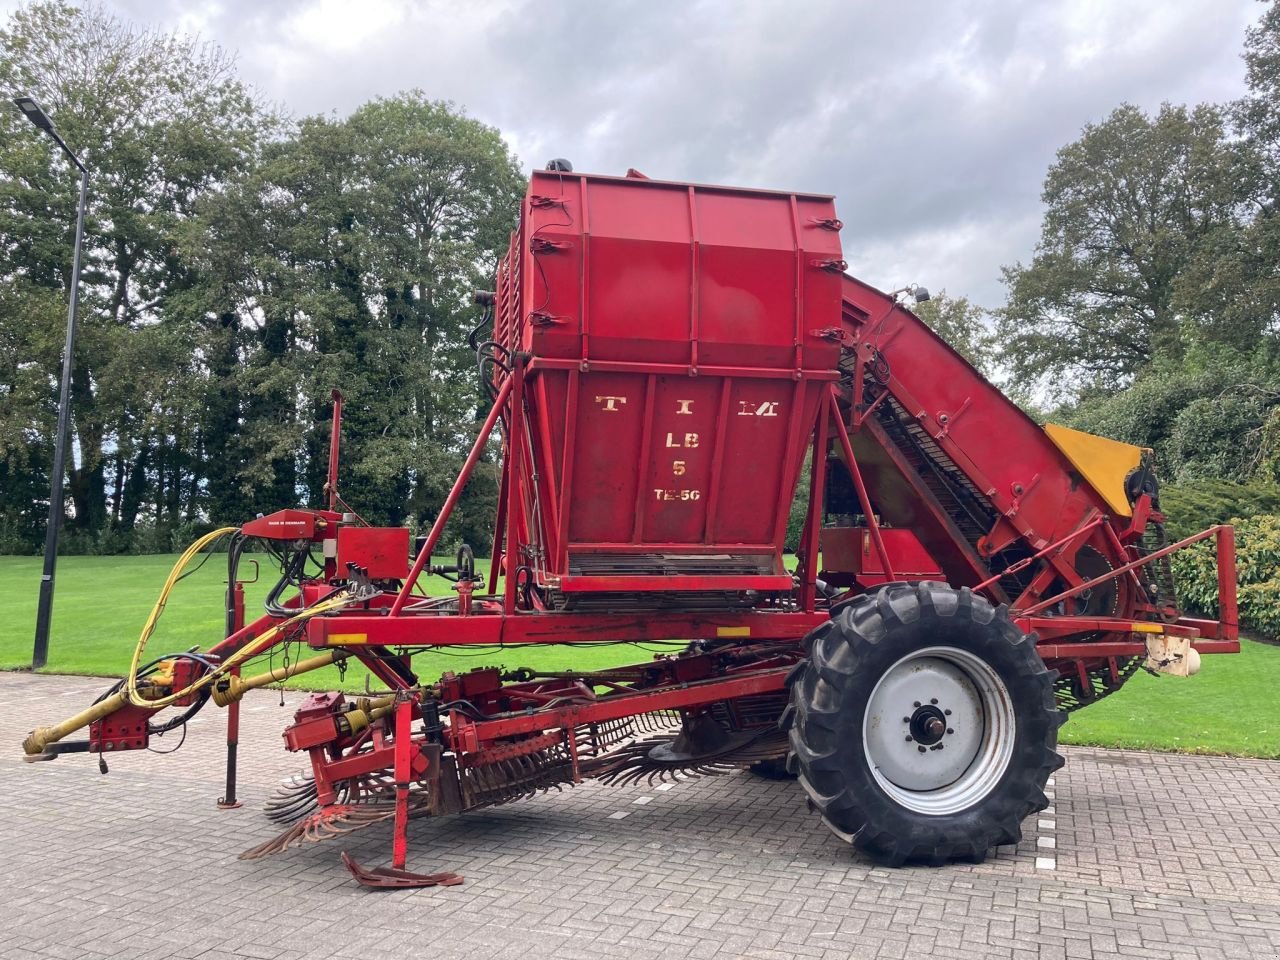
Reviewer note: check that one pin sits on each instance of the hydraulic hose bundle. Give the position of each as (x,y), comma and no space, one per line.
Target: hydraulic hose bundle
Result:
(129,692)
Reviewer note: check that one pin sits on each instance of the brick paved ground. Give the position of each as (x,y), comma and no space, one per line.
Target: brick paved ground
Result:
(1154,856)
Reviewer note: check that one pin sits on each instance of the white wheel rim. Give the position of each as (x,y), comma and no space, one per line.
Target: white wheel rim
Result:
(938,731)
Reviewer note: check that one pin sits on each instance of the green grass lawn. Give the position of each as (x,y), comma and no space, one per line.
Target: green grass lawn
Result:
(1229,707)
(102,602)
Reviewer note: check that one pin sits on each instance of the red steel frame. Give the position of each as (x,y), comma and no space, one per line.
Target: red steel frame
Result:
(566,703)
(1037,506)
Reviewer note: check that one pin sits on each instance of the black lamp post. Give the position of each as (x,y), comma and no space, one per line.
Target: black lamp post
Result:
(44,613)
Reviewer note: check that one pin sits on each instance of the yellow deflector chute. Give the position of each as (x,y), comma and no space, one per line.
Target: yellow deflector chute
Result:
(1104,463)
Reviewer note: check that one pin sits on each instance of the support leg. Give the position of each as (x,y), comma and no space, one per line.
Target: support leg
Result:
(396,876)
(403,759)
(228,800)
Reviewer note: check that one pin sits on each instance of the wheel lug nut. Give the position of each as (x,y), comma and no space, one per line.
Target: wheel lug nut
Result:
(947,712)
(949,730)
(906,719)
(921,749)
(910,738)
(916,704)
(934,701)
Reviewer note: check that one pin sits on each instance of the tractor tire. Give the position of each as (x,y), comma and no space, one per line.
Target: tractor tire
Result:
(923,725)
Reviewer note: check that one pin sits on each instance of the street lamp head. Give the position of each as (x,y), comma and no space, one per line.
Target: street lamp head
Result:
(34,113)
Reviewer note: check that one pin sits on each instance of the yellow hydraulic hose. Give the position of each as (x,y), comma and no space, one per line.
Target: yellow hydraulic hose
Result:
(42,737)
(250,649)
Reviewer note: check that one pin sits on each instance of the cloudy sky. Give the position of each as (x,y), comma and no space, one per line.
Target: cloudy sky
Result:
(932,121)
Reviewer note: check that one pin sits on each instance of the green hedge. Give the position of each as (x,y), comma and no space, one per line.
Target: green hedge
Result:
(1193,505)
(1258,574)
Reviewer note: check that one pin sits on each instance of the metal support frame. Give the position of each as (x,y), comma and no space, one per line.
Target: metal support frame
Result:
(1226,585)
(873,525)
(437,528)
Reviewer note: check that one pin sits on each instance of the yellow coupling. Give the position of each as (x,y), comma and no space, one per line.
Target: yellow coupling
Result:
(366,711)
(352,722)
(228,690)
(41,737)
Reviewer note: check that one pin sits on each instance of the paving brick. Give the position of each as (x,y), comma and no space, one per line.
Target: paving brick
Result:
(140,864)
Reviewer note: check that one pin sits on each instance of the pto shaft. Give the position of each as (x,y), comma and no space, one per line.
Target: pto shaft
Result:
(232,688)
(227,692)
(41,737)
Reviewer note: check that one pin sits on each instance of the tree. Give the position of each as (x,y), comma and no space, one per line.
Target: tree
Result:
(1210,414)
(346,259)
(963,325)
(1246,268)
(1131,208)
(161,121)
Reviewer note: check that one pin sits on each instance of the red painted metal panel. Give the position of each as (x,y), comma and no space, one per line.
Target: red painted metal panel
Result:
(360,629)
(291,525)
(609,425)
(1005,453)
(848,554)
(383,552)
(691,318)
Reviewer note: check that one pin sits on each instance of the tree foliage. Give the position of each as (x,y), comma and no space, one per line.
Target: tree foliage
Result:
(1135,211)
(238,267)
(160,121)
(964,326)
(347,258)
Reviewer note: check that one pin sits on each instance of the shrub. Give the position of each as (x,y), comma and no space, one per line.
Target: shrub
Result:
(1196,504)
(1257,572)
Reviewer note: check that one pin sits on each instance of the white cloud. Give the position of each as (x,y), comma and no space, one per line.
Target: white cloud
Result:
(933,123)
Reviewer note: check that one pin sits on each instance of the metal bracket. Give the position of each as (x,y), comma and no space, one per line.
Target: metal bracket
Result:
(540,318)
(543,245)
(833,266)
(836,334)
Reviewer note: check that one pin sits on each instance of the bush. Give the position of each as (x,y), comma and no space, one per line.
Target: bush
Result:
(1218,436)
(1208,416)
(1257,572)
(1196,504)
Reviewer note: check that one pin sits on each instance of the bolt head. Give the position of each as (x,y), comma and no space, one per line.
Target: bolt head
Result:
(934,701)
(910,738)
(921,749)
(916,704)
(947,712)
(949,730)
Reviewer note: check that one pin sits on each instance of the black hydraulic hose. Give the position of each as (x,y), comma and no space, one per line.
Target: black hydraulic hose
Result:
(291,573)
(202,697)
(485,319)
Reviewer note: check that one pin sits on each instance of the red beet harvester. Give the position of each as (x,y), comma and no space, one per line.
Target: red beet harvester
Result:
(667,363)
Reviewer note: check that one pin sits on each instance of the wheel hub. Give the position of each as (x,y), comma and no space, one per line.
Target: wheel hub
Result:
(927,725)
(938,730)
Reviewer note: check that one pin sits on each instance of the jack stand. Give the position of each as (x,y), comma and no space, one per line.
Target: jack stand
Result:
(228,800)
(396,876)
